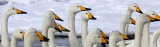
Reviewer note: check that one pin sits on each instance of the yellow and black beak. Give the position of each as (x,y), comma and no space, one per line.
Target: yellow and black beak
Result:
(42,38)
(124,37)
(20,12)
(133,21)
(157,16)
(90,16)
(83,8)
(103,40)
(103,35)
(57,18)
(63,29)
(23,34)
(56,27)
(153,19)
(138,10)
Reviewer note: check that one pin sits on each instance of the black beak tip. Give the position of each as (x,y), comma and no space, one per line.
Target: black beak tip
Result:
(88,8)
(67,30)
(141,12)
(45,39)
(60,20)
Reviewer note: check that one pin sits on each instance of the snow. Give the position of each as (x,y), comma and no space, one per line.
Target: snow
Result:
(107,12)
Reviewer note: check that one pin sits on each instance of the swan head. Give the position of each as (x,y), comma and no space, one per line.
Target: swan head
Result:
(86,15)
(18,34)
(134,7)
(34,36)
(78,8)
(12,11)
(117,36)
(97,36)
(60,28)
(54,15)
(153,14)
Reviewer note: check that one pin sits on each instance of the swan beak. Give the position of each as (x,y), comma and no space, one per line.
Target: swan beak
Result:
(57,18)
(138,10)
(23,35)
(133,21)
(20,12)
(56,27)
(63,29)
(42,38)
(90,16)
(103,40)
(153,19)
(157,16)
(84,9)
(103,35)
(124,37)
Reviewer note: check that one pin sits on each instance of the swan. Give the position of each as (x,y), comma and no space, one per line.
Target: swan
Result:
(141,20)
(51,32)
(154,38)
(31,36)
(17,34)
(145,36)
(126,19)
(116,37)
(86,15)
(71,24)
(48,23)
(94,37)
(4,24)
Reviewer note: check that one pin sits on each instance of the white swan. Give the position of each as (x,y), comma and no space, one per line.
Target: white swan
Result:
(94,37)
(146,36)
(31,36)
(71,24)
(17,34)
(51,31)
(154,38)
(141,20)
(116,37)
(4,24)
(86,15)
(48,23)
(126,19)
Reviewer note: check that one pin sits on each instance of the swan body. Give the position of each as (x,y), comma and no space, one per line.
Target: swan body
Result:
(17,34)
(141,20)
(116,37)
(94,37)
(4,24)
(126,19)
(86,15)
(71,24)
(32,36)
(48,23)
(145,36)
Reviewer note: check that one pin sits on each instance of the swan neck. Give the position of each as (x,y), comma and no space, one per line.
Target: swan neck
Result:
(13,41)
(129,13)
(4,31)
(51,32)
(112,43)
(27,43)
(146,37)
(84,30)
(72,33)
(88,43)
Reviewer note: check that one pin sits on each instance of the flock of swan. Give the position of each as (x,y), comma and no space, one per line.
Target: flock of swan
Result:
(91,39)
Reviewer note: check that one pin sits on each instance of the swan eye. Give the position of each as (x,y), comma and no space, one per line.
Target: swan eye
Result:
(20,32)
(77,6)
(86,13)
(37,35)
(153,14)
(134,6)
(13,8)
